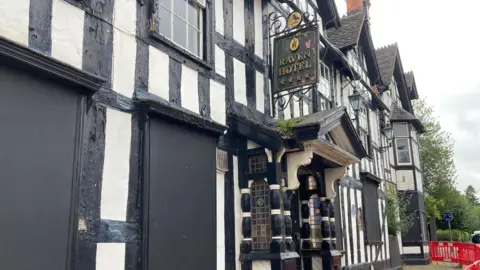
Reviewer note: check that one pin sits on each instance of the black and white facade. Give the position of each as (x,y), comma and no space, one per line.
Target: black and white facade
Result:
(143,134)
(404,158)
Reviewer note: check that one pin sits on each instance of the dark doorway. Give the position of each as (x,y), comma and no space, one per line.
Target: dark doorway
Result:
(181,172)
(39,143)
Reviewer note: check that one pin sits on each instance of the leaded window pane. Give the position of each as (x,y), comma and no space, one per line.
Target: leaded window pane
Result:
(261,222)
(257,164)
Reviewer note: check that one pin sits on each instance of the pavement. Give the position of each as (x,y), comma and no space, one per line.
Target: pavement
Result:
(440,265)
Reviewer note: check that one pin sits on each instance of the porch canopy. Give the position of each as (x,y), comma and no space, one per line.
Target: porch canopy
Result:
(330,135)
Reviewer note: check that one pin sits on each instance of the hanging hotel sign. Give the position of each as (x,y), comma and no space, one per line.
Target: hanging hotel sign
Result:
(295,60)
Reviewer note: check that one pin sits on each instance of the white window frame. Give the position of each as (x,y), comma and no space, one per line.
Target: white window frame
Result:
(409,151)
(201,7)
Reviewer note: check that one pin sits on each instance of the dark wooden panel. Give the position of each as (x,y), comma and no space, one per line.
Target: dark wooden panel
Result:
(182,201)
(37,140)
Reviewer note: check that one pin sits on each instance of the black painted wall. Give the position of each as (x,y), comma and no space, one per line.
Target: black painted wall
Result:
(39,171)
(181,203)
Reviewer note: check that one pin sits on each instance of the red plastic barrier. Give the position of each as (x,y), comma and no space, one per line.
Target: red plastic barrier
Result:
(454,252)
(474,266)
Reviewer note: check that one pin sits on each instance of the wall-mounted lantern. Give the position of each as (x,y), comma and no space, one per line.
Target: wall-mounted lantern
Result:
(388,130)
(355,101)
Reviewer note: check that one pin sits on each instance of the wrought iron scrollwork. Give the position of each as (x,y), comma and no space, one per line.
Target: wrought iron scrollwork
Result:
(279,25)
(282,100)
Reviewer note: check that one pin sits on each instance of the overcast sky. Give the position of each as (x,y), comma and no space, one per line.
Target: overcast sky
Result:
(439,41)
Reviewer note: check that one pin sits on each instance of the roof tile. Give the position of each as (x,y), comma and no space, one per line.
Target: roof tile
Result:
(349,33)
(386,57)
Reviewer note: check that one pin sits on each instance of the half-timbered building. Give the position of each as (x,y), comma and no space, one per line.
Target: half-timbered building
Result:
(200,134)
(404,158)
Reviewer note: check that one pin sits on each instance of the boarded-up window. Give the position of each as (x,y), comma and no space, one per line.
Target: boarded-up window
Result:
(371,211)
(261,224)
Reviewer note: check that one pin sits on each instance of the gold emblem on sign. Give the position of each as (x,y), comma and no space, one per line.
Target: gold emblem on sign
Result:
(294,44)
(294,19)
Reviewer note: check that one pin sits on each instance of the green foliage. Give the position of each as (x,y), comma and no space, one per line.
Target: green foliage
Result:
(287,127)
(457,235)
(436,151)
(433,205)
(399,221)
(471,195)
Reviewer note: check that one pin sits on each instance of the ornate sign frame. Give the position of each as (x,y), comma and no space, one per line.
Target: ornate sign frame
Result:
(295,57)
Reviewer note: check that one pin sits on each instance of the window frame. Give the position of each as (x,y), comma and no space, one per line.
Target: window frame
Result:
(200,13)
(179,53)
(409,151)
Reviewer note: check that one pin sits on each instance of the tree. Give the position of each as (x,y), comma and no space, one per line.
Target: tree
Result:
(436,152)
(470,193)
(434,206)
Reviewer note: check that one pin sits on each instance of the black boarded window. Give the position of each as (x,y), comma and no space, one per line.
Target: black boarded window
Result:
(261,224)
(370,213)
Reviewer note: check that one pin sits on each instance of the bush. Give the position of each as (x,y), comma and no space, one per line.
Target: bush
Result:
(399,221)
(457,235)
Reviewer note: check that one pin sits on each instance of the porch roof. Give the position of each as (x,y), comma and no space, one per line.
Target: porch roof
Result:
(331,134)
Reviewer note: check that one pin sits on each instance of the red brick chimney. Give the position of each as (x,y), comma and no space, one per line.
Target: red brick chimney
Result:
(354,5)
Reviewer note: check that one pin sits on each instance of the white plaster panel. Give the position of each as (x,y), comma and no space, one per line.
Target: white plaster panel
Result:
(345,211)
(14,19)
(217,102)
(354,227)
(261,265)
(219,61)
(400,246)
(405,180)
(411,250)
(67,33)
(418,176)
(270,104)
(189,89)
(252,144)
(362,231)
(369,252)
(125,16)
(383,219)
(123,65)
(239,21)
(219,22)
(220,220)
(257,14)
(110,256)
(305,108)
(238,212)
(116,167)
(239,83)
(159,73)
(296,108)
(260,96)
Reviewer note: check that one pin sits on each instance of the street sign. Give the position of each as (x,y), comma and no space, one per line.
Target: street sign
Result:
(448,217)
